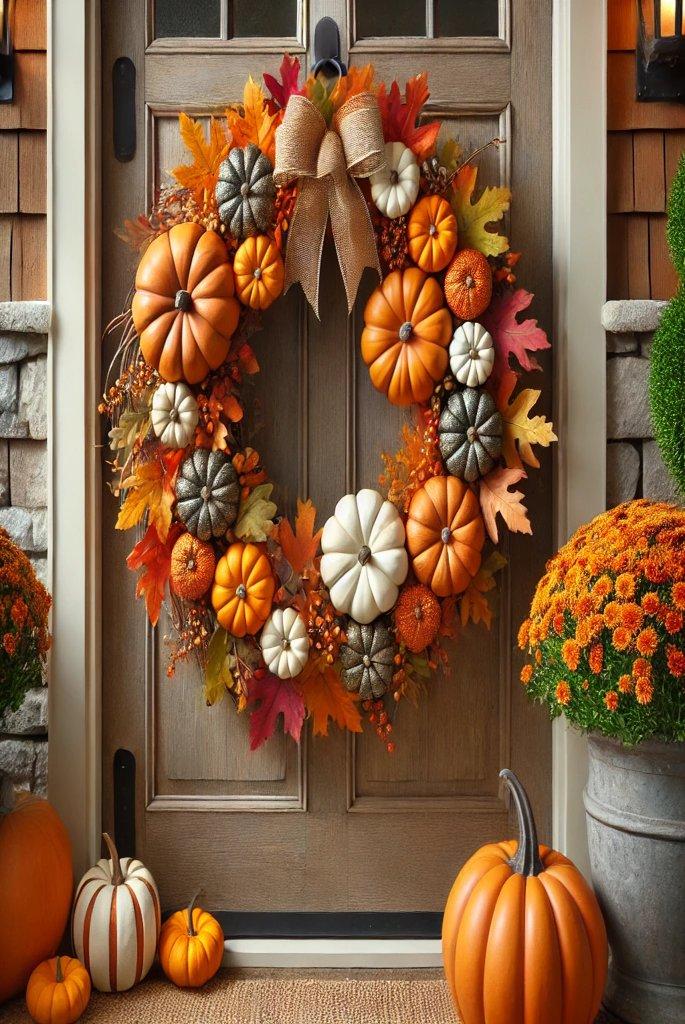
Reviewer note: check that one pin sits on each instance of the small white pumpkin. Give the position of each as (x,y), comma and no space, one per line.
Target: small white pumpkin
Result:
(364,560)
(174,414)
(395,187)
(285,644)
(116,921)
(472,354)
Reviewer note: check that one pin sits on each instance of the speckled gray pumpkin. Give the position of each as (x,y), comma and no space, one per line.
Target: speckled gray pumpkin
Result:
(207,493)
(470,434)
(245,192)
(367,658)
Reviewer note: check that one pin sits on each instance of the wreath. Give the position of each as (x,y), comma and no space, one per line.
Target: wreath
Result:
(342,623)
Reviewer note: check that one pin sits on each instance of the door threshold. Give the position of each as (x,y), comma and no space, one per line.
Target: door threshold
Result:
(320,953)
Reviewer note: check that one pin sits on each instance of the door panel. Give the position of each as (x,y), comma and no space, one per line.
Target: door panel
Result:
(208,811)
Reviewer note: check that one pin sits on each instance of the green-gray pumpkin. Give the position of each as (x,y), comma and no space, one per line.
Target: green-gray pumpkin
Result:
(245,192)
(207,493)
(367,658)
(470,434)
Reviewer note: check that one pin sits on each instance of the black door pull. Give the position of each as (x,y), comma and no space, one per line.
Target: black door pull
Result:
(124,108)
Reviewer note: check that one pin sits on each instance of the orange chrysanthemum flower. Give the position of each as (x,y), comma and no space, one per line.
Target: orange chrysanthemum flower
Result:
(644,691)
(585,685)
(563,692)
(621,638)
(612,614)
(584,632)
(523,634)
(625,585)
(678,595)
(538,656)
(611,700)
(10,643)
(647,640)
(558,624)
(632,616)
(570,652)
(584,606)
(596,658)
(650,603)
(675,659)
(526,674)
(625,684)
(603,586)
(641,667)
(673,621)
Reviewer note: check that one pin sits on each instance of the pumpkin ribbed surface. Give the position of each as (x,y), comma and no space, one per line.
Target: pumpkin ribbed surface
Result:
(445,535)
(432,234)
(58,991)
(468,284)
(243,590)
(192,567)
(259,272)
(191,947)
(417,617)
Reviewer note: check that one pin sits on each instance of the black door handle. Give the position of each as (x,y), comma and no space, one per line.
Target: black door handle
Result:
(124,108)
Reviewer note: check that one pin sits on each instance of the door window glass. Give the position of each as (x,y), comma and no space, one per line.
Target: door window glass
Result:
(227,19)
(378,18)
(254,18)
(466,17)
(427,18)
(178,18)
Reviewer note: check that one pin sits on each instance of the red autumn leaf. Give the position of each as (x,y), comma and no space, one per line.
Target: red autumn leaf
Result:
(154,557)
(511,337)
(400,116)
(247,359)
(276,697)
(282,90)
(300,547)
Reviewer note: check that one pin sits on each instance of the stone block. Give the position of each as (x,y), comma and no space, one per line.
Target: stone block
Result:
(628,398)
(16,347)
(30,317)
(8,388)
(632,316)
(28,528)
(4,473)
(29,473)
(12,425)
(31,718)
(657,482)
(17,760)
(33,396)
(40,769)
(623,472)
(621,343)
(40,567)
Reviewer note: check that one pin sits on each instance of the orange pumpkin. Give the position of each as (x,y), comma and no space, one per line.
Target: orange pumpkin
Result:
(468,284)
(184,309)
(259,272)
(192,567)
(417,617)
(36,883)
(191,946)
(523,938)
(445,535)
(432,234)
(243,589)
(58,991)
(405,337)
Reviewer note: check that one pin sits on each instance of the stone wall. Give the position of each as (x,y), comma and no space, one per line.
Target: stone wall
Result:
(23,513)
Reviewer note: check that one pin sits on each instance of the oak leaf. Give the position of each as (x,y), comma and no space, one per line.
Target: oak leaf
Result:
(473,217)
(153,556)
(289,74)
(511,337)
(519,427)
(400,116)
(299,548)
(495,497)
(326,698)
(151,489)
(201,176)
(274,697)
(252,122)
(255,514)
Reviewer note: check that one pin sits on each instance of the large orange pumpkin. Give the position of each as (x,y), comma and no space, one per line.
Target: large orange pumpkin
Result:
(445,535)
(405,337)
(191,946)
(58,991)
(468,284)
(523,940)
(432,234)
(259,272)
(243,589)
(36,882)
(184,309)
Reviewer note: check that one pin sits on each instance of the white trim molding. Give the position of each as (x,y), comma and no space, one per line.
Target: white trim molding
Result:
(579,253)
(341,954)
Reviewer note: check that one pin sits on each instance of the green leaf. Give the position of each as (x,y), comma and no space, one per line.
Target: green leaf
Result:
(450,155)
(255,514)
(218,676)
(130,427)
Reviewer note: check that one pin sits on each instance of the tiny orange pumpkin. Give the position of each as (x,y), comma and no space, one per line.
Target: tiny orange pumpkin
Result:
(192,567)
(259,272)
(191,946)
(58,991)
(243,590)
(468,284)
(417,617)
(432,234)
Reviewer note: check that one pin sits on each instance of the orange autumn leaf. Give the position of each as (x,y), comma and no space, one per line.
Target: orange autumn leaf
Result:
(519,427)
(153,556)
(357,80)
(300,547)
(326,698)
(252,122)
(400,116)
(473,604)
(151,490)
(495,497)
(200,176)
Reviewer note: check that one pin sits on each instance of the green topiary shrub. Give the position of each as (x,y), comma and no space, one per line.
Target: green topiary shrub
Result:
(676,219)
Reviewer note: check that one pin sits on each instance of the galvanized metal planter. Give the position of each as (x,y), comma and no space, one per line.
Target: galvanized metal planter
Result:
(635,806)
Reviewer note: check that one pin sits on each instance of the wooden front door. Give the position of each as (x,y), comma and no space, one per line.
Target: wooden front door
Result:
(336,824)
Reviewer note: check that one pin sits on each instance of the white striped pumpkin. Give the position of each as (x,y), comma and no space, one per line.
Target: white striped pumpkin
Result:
(116,921)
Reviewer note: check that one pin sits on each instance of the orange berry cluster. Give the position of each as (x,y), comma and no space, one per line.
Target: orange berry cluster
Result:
(325,632)
(378,717)
(193,636)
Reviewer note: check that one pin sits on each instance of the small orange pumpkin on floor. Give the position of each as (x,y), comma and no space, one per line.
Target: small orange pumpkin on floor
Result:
(191,946)
(432,234)
(445,535)
(523,937)
(417,617)
(192,567)
(468,284)
(243,590)
(259,272)
(58,991)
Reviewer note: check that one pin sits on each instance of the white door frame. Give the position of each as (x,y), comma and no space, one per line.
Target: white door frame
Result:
(579,207)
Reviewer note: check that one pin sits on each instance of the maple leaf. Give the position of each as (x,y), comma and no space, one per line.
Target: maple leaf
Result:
(255,514)
(252,122)
(276,697)
(473,604)
(472,217)
(450,155)
(400,116)
(357,80)
(326,698)
(282,90)
(131,426)
(520,427)
(151,490)
(200,176)
(510,336)
(153,556)
(495,497)
(299,548)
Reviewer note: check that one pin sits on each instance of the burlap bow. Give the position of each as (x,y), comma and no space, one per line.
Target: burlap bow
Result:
(325,161)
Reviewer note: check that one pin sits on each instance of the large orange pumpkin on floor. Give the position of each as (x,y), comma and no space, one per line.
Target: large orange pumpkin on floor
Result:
(184,309)
(523,940)
(445,535)
(36,883)
(405,337)
(243,589)
(432,234)
(259,272)
(191,946)
(58,991)
(468,284)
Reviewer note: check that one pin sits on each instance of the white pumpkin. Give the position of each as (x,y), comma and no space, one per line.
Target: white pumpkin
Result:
(395,187)
(116,921)
(364,560)
(472,354)
(285,644)
(174,414)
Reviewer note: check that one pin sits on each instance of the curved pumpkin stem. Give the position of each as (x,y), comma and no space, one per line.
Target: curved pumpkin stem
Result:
(526,860)
(117,873)
(189,912)
(58,970)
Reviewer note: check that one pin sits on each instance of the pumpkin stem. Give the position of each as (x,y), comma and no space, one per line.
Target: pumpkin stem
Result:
(189,912)
(58,970)
(117,873)
(364,554)
(526,860)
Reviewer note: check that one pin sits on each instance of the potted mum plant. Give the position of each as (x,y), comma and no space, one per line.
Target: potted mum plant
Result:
(605,645)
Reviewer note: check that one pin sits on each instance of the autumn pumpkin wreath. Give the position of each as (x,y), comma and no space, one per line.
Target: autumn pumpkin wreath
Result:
(346,621)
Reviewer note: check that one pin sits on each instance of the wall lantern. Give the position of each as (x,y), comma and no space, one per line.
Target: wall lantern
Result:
(660,50)
(6,51)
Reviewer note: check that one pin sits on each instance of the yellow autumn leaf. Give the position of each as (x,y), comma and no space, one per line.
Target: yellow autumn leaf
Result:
(523,430)
(473,217)
(150,489)
(200,176)
(252,122)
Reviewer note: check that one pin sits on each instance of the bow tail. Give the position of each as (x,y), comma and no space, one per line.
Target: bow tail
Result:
(305,239)
(355,243)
